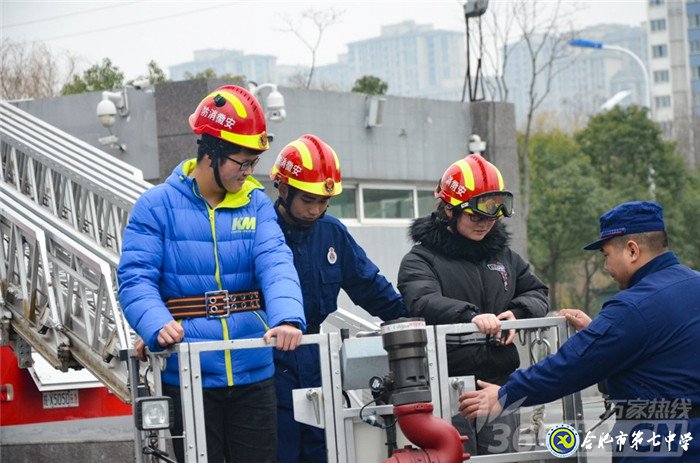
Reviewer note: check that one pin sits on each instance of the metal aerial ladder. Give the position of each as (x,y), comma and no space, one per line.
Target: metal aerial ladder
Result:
(63,207)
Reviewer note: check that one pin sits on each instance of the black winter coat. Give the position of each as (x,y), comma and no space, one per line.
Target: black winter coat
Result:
(447,278)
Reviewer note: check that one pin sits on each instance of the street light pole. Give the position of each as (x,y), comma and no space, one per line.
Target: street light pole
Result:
(601,46)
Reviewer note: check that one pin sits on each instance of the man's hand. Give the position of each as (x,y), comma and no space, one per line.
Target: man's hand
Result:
(140,348)
(482,402)
(507,315)
(576,318)
(170,334)
(288,336)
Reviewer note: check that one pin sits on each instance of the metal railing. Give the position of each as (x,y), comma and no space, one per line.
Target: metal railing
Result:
(340,420)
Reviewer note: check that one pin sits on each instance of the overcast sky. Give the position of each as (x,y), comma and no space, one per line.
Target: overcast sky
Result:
(131,33)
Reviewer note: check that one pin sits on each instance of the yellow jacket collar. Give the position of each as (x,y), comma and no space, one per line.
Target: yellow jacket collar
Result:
(231,200)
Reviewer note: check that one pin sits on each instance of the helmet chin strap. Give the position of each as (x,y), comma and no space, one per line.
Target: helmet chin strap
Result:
(217,176)
(214,148)
(296,222)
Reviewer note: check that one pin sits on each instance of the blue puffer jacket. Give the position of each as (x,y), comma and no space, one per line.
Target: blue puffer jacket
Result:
(175,246)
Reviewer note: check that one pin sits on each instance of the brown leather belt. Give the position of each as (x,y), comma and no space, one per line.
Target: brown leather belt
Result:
(215,304)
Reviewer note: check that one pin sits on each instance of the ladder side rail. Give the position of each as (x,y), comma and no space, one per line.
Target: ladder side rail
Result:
(35,137)
(92,214)
(22,241)
(101,271)
(77,169)
(106,254)
(11,112)
(87,314)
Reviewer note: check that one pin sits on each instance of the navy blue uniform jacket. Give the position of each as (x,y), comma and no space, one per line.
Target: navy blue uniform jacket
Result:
(327,259)
(645,344)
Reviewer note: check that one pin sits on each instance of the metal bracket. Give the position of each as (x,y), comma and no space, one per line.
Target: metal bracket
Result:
(459,385)
(308,404)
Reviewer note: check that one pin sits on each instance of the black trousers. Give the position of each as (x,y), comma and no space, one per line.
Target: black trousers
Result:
(241,422)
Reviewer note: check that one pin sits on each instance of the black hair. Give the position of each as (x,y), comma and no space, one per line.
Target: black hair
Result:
(655,241)
(215,147)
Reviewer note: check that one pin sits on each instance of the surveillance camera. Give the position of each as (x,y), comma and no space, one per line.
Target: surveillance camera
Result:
(140,84)
(275,100)
(476,145)
(106,112)
(144,85)
(276,115)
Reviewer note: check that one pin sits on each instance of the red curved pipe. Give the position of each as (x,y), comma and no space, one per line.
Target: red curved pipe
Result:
(438,440)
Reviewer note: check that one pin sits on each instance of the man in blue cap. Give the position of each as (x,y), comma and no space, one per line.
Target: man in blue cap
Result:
(645,345)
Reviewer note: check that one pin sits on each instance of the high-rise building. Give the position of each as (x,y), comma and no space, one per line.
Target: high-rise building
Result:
(581,80)
(674,55)
(414,59)
(259,68)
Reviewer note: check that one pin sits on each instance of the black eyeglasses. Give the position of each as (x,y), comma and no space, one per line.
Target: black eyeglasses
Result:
(480,218)
(246,165)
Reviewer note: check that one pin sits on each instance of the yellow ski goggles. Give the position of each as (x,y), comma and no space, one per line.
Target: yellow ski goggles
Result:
(491,204)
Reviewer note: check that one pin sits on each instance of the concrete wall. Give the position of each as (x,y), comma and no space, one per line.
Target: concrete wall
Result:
(76,114)
(495,124)
(418,140)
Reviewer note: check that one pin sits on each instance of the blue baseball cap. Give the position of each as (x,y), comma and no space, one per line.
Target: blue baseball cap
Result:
(628,218)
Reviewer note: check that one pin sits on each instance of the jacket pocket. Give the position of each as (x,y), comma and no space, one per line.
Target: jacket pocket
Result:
(584,339)
(331,280)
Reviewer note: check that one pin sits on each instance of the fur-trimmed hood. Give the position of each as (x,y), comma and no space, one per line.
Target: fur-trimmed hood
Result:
(433,233)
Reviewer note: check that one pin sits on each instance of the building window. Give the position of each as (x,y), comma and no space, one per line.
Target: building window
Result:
(659,51)
(387,204)
(695,47)
(426,202)
(344,206)
(662,101)
(694,20)
(656,2)
(666,127)
(661,76)
(696,99)
(658,25)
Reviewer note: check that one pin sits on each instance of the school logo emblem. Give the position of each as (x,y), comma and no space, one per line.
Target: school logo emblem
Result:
(243,224)
(332,256)
(562,440)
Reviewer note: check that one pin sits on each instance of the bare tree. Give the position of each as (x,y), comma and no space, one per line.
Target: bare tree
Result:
(30,70)
(321,19)
(545,43)
(540,28)
(498,28)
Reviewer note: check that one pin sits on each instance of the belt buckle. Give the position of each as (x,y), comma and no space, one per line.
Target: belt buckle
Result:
(210,303)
